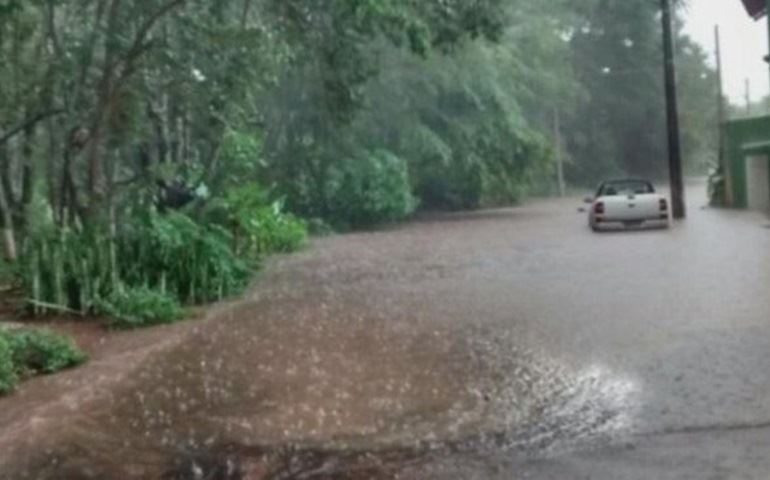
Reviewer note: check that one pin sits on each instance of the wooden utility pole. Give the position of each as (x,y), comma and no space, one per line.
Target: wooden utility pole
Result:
(672,113)
(559,152)
(721,121)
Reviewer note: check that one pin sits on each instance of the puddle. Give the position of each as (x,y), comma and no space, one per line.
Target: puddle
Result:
(470,393)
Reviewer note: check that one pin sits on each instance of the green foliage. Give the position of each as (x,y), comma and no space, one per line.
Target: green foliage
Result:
(457,121)
(459,187)
(166,252)
(42,351)
(8,273)
(353,111)
(140,307)
(24,353)
(519,164)
(260,225)
(172,254)
(8,376)
(241,156)
(618,126)
(66,268)
(371,189)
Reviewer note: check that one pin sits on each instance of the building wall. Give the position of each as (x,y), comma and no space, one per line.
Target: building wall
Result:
(738,134)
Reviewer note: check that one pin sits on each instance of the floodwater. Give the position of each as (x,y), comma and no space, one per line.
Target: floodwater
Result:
(495,344)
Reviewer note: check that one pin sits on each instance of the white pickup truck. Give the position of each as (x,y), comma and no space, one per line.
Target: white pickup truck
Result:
(627,203)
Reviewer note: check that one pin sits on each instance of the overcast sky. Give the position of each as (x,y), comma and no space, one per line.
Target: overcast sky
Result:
(744,43)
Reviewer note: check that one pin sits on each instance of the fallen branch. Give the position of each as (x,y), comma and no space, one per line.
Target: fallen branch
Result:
(53,306)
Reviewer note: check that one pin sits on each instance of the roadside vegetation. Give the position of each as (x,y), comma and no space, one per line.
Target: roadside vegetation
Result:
(154,153)
(25,353)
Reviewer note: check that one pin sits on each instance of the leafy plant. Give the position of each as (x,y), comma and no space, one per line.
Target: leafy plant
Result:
(169,253)
(174,255)
(371,189)
(140,307)
(8,377)
(42,351)
(24,353)
(260,226)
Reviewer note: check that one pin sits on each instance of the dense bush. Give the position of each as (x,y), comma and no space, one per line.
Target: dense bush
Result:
(140,307)
(457,187)
(371,189)
(24,353)
(8,376)
(166,252)
(42,351)
(173,254)
(260,226)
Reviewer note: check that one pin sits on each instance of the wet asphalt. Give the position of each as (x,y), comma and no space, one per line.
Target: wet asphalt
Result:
(504,344)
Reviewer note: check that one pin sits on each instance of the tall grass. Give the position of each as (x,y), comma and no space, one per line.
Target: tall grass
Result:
(153,261)
(66,269)
(172,254)
(167,253)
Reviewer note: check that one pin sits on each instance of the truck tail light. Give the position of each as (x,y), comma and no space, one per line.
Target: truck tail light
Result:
(599,208)
(663,205)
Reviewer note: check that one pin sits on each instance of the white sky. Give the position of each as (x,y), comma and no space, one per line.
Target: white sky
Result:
(744,43)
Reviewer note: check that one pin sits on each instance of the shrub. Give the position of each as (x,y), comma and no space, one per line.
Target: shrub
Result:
(260,226)
(168,252)
(24,353)
(370,190)
(42,351)
(8,377)
(457,187)
(174,255)
(272,231)
(140,307)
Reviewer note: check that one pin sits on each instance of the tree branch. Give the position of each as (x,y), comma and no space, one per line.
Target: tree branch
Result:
(139,45)
(28,123)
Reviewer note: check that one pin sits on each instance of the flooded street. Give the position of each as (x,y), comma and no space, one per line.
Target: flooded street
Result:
(502,344)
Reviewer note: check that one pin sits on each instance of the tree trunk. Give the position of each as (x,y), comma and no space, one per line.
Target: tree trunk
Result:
(54,152)
(8,157)
(28,169)
(9,238)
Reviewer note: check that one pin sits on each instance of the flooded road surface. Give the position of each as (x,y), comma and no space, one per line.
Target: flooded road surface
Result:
(503,344)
